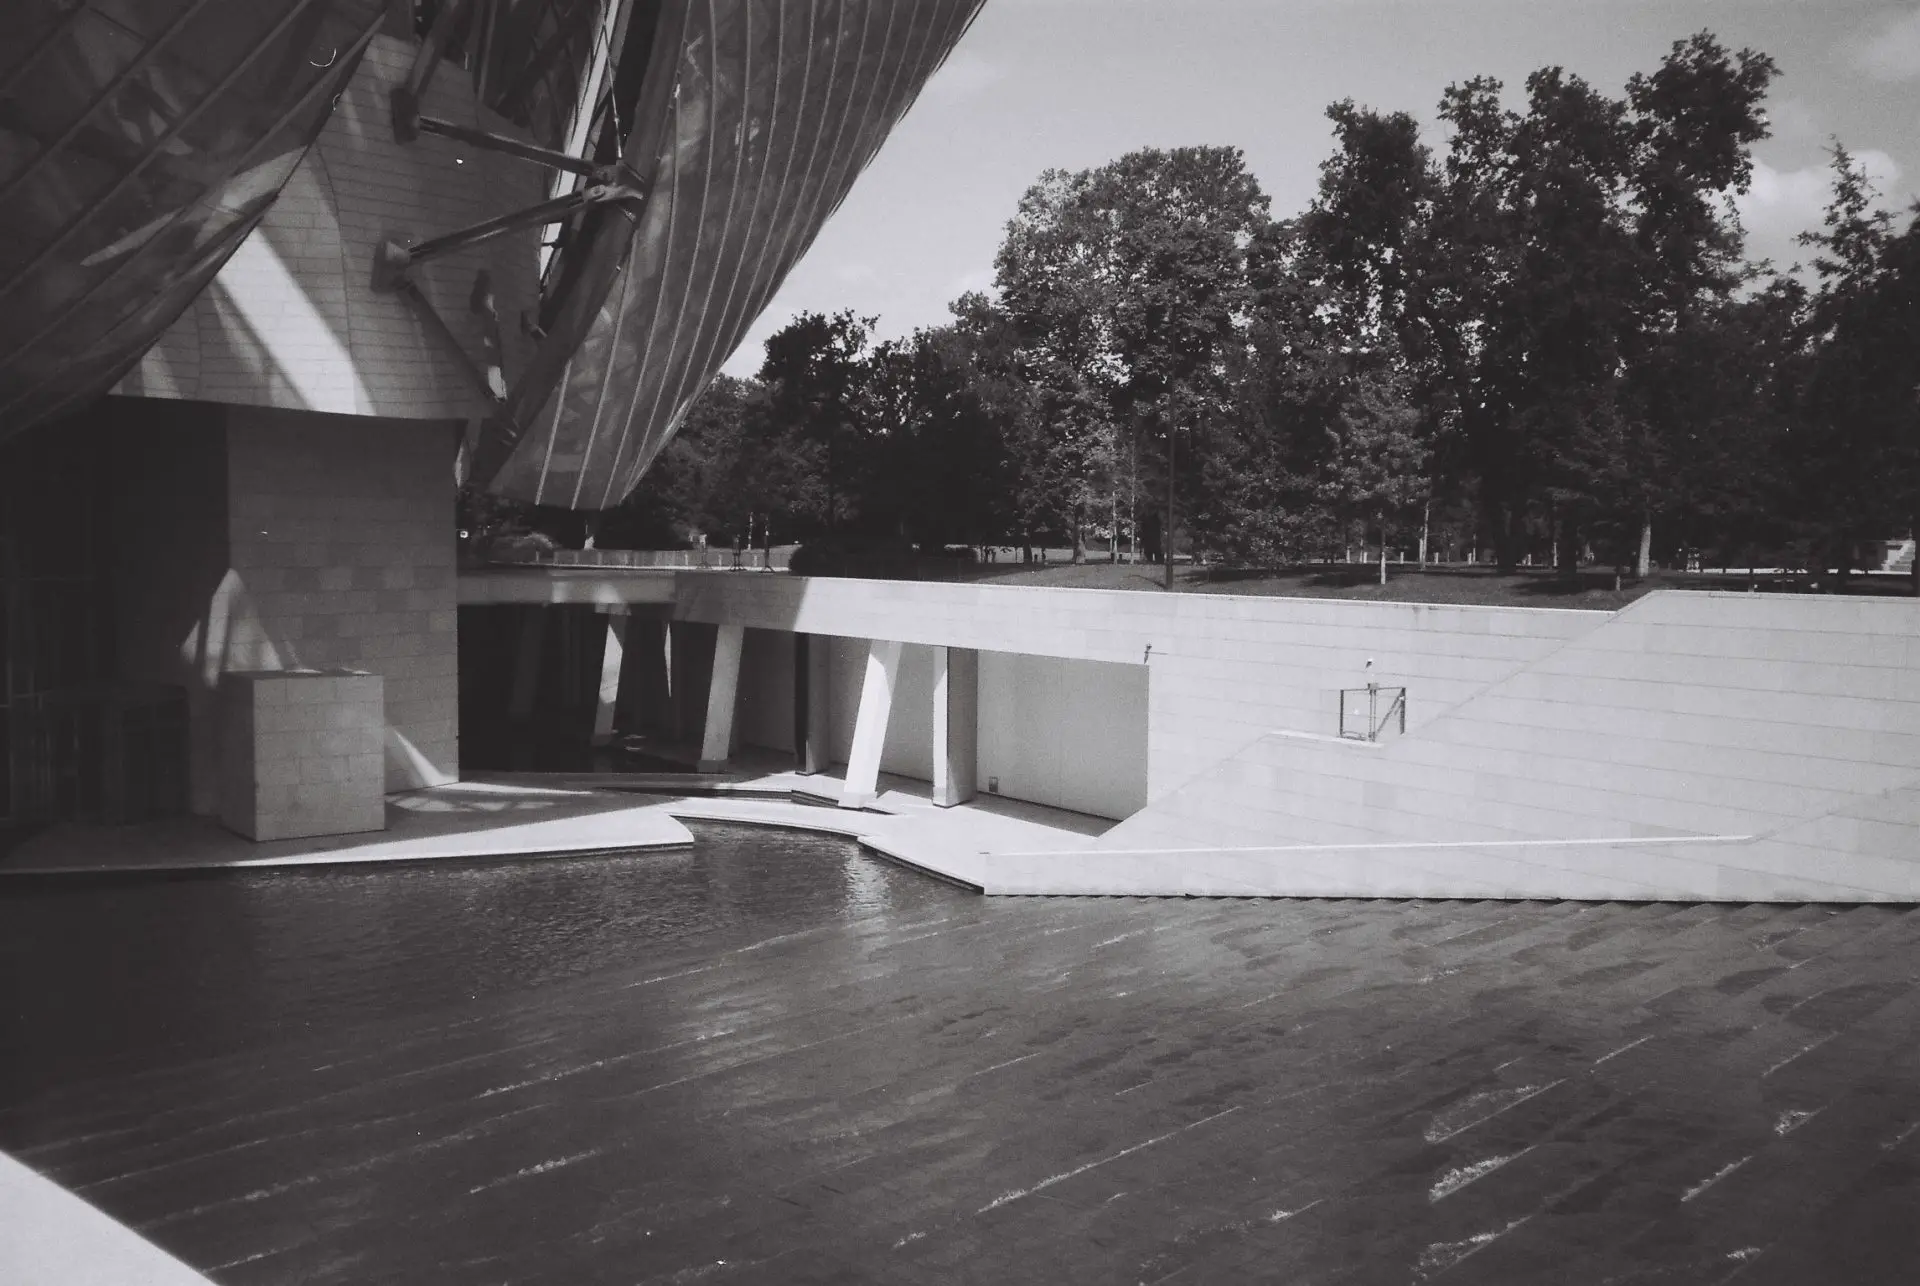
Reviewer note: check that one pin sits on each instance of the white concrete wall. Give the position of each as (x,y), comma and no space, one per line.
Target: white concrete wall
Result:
(1792,719)
(258,539)
(293,321)
(1069,734)
(908,751)
(341,553)
(909,745)
(764,717)
(1225,669)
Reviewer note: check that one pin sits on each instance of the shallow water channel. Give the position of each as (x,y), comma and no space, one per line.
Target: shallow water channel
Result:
(114,975)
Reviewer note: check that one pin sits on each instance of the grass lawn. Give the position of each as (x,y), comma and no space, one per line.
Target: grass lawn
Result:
(1482,586)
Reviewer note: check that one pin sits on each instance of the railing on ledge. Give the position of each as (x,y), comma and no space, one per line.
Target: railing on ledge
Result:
(1366,713)
(686,559)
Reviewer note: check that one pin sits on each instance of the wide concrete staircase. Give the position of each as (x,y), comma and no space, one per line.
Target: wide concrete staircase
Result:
(1696,746)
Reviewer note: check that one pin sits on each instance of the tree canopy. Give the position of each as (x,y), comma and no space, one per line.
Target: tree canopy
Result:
(1535,334)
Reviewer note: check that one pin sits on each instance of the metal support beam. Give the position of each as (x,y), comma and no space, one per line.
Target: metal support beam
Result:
(500,143)
(405,101)
(392,261)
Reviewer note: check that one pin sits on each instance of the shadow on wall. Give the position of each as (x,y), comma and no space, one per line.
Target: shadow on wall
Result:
(293,321)
(231,635)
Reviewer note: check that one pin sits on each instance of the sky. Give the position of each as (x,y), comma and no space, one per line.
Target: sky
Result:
(1071,84)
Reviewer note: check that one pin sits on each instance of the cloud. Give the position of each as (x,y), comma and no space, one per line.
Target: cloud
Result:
(976,279)
(964,75)
(1792,120)
(1780,203)
(1890,49)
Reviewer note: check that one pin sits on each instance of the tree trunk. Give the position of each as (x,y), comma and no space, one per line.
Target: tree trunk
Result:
(1644,563)
(1383,558)
(1171,443)
(1569,552)
(1079,535)
(1113,531)
(1133,495)
(1506,551)
(1426,521)
(832,524)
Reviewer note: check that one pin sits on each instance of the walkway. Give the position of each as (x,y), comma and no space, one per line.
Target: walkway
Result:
(464,821)
(515,815)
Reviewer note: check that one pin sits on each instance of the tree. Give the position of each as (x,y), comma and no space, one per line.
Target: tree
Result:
(1857,441)
(941,470)
(814,373)
(1570,256)
(1128,287)
(1693,123)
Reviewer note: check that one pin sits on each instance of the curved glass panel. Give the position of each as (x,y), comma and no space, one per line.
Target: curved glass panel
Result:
(140,141)
(774,110)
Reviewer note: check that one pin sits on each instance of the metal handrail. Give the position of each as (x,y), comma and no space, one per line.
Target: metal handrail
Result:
(1377,718)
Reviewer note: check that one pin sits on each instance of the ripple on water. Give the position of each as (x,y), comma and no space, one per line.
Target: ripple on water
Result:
(156,969)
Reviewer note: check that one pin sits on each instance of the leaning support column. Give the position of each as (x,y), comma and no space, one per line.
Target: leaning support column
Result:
(645,693)
(956,705)
(721,694)
(812,705)
(612,659)
(870,727)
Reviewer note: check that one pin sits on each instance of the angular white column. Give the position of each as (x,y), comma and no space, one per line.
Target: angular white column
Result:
(721,694)
(870,727)
(956,722)
(611,661)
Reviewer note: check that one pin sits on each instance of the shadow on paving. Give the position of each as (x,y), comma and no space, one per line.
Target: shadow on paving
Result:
(775,1060)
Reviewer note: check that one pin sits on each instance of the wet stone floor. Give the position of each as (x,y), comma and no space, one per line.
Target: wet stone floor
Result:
(773,1060)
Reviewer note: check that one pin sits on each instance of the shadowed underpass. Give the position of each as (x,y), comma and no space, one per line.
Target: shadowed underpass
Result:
(774,1059)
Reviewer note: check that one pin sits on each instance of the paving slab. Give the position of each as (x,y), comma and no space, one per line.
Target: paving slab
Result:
(462,821)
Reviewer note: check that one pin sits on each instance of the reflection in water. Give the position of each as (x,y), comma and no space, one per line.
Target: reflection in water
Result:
(111,975)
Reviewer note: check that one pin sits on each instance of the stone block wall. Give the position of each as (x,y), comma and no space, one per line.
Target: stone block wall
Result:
(342,550)
(301,753)
(293,321)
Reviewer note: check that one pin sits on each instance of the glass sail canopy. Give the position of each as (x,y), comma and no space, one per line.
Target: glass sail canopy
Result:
(746,129)
(140,142)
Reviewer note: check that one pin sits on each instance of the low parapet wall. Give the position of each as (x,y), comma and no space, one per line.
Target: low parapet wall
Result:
(1223,669)
(1791,722)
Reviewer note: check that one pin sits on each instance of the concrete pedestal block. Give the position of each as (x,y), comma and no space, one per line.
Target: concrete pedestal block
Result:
(301,753)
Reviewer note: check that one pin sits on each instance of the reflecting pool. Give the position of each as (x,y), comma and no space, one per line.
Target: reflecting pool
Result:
(117,974)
